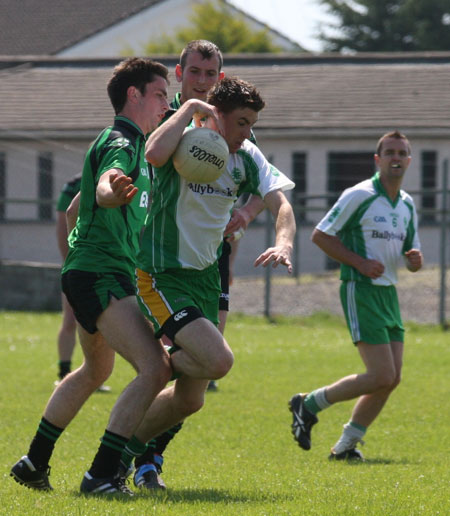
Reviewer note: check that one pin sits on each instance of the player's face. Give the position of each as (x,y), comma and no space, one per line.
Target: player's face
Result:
(237,125)
(198,76)
(393,159)
(153,103)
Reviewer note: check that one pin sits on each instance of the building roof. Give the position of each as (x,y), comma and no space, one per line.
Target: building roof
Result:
(305,95)
(46,27)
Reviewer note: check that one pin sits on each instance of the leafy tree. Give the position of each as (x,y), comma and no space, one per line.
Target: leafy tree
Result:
(388,25)
(215,21)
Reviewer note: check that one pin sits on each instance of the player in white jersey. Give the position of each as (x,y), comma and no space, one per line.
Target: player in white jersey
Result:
(178,281)
(372,226)
(200,67)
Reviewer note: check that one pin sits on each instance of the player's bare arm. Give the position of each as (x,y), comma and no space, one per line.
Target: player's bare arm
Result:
(414,260)
(285,231)
(72,213)
(164,140)
(241,217)
(115,189)
(334,248)
(61,233)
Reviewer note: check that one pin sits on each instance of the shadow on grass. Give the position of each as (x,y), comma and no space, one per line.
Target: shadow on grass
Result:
(190,496)
(394,462)
(371,462)
(220,495)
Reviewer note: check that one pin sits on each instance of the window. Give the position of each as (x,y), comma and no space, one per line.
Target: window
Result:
(45,185)
(299,178)
(429,182)
(345,169)
(2,186)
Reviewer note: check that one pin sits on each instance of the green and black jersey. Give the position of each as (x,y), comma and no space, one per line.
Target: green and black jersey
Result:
(107,239)
(68,192)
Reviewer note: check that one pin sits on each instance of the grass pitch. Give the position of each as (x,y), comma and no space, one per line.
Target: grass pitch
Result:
(237,456)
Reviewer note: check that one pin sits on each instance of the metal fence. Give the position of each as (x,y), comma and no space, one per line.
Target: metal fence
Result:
(439,215)
(312,207)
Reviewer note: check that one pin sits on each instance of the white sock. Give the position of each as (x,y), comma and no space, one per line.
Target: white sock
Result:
(321,399)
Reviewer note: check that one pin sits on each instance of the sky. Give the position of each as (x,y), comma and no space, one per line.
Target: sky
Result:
(297,19)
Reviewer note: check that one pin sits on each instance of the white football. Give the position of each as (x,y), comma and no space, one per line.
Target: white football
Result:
(201,155)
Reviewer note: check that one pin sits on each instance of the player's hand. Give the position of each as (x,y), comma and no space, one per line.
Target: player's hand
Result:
(371,268)
(239,220)
(275,255)
(414,259)
(122,188)
(207,115)
(235,236)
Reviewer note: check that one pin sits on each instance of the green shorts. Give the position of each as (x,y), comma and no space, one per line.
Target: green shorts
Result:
(372,312)
(175,297)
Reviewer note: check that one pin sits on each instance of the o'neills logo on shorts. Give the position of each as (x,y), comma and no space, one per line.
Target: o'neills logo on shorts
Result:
(202,155)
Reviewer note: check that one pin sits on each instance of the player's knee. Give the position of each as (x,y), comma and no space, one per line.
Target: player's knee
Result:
(157,374)
(396,381)
(384,380)
(221,365)
(95,375)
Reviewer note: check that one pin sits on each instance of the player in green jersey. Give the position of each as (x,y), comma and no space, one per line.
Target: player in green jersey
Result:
(369,229)
(199,69)
(178,281)
(98,280)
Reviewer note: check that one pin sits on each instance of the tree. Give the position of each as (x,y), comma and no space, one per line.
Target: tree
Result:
(215,21)
(388,25)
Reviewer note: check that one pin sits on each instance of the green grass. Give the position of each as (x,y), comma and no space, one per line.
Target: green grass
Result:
(237,456)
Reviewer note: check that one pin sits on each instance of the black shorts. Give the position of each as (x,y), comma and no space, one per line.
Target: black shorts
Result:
(89,294)
(224,271)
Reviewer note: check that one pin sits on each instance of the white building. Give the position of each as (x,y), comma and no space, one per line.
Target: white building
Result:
(323,117)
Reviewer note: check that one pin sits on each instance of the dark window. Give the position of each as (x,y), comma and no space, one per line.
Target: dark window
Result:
(429,182)
(2,186)
(299,178)
(45,185)
(345,169)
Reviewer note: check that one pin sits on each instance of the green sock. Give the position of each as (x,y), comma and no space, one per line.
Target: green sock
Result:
(310,404)
(359,427)
(317,400)
(134,448)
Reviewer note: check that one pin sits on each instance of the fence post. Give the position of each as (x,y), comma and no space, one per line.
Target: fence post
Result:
(443,253)
(296,264)
(268,269)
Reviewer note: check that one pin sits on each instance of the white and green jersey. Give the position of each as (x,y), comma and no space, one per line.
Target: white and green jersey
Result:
(185,225)
(370,224)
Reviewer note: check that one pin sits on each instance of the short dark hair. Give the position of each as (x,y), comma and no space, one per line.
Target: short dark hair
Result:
(133,71)
(204,47)
(232,93)
(392,134)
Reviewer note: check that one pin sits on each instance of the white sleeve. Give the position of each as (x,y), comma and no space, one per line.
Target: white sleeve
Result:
(270,178)
(341,211)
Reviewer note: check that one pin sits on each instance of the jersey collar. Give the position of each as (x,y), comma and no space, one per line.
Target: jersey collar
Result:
(176,102)
(123,120)
(380,189)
